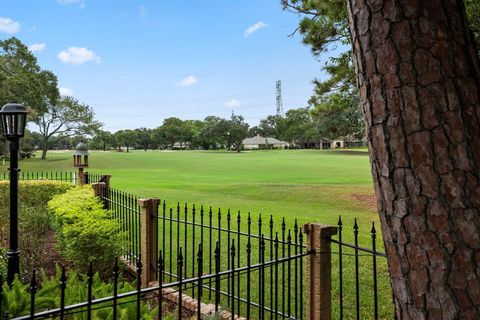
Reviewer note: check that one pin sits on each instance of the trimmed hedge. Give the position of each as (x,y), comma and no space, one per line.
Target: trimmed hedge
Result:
(32,193)
(85,230)
(34,220)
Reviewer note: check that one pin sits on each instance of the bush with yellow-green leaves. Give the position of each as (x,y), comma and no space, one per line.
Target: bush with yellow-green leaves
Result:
(85,231)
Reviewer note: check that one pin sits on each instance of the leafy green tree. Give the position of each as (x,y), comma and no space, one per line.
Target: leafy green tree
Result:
(325,29)
(66,118)
(22,79)
(194,129)
(158,138)
(273,126)
(338,116)
(234,131)
(254,131)
(143,138)
(29,143)
(210,136)
(173,130)
(299,127)
(125,138)
(102,140)
(61,142)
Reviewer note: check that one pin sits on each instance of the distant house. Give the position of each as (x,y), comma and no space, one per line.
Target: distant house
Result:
(180,146)
(259,142)
(348,142)
(321,143)
(338,143)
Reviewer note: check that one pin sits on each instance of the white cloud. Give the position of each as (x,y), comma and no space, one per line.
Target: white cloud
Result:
(37,47)
(188,81)
(253,28)
(69,2)
(66,91)
(9,26)
(76,55)
(232,103)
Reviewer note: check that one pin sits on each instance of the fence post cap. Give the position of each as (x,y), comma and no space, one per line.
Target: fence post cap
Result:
(148,202)
(324,229)
(98,184)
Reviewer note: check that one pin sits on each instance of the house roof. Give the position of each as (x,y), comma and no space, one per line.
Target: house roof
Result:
(262,140)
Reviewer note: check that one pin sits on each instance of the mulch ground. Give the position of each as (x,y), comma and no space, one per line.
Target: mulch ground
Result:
(51,257)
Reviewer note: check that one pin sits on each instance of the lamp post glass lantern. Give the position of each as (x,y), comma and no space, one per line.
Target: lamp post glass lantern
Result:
(13,120)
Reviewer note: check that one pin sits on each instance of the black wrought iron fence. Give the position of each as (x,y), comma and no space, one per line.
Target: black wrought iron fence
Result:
(41,175)
(125,210)
(355,273)
(253,267)
(95,177)
(65,176)
(157,295)
(277,251)
(92,304)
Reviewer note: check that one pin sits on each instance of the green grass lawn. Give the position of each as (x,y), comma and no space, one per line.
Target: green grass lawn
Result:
(311,185)
(307,185)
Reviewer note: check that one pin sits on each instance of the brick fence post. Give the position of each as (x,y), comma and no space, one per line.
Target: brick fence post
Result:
(319,271)
(148,239)
(98,188)
(106,178)
(80,177)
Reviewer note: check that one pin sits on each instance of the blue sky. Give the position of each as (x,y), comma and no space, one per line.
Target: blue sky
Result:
(138,62)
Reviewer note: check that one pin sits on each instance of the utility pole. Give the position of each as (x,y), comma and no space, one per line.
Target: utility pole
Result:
(279,98)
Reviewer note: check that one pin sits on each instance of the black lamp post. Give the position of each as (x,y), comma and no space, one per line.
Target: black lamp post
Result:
(13,117)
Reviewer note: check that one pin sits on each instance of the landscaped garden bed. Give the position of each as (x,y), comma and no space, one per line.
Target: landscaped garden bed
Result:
(62,225)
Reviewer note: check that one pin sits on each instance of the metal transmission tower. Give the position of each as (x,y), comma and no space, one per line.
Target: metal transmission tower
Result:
(279,98)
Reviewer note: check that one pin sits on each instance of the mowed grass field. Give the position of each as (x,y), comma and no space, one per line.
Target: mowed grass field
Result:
(310,185)
(303,185)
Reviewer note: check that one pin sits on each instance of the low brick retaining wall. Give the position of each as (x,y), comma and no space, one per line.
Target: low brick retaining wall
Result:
(191,304)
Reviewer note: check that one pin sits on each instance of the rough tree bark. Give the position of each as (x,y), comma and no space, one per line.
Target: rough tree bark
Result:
(419,80)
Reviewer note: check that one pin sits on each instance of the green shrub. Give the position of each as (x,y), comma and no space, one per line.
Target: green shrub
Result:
(84,229)
(34,221)
(16,300)
(32,193)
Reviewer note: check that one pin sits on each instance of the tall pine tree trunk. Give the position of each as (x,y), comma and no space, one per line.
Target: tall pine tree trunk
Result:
(419,80)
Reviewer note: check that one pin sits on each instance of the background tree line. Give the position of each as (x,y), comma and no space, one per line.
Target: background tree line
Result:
(298,126)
